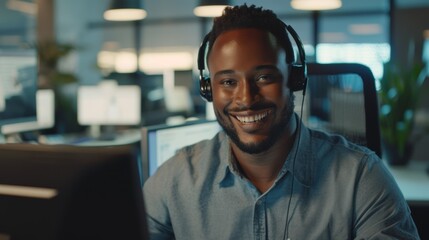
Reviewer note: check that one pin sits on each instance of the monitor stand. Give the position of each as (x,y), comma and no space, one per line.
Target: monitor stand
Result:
(10,138)
(31,136)
(102,133)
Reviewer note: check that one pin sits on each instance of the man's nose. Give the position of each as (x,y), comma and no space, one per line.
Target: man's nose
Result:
(247,93)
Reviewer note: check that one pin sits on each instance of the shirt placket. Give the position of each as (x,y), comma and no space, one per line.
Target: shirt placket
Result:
(260,219)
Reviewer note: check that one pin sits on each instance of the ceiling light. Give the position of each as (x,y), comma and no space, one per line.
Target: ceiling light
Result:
(365,29)
(125,10)
(315,5)
(333,37)
(210,8)
(22,6)
(126,61)
(106,59)
(151,62)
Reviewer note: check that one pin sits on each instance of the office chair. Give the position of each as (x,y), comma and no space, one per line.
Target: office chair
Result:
(341,98)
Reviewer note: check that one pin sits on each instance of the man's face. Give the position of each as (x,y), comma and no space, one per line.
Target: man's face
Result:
(249,85)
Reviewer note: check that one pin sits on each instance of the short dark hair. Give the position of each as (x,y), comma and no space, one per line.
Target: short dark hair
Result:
(244,16)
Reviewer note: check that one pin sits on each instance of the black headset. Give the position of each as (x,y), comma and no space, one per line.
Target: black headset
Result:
(297,71)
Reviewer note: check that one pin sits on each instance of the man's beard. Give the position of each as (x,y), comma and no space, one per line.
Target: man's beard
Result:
(276,131)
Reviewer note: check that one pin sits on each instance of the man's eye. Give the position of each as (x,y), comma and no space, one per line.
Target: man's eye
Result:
(228,82)
(266,78)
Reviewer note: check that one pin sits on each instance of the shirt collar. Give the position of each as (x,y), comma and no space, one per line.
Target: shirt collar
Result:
(226,158)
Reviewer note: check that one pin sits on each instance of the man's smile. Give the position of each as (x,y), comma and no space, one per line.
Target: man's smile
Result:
(251,117)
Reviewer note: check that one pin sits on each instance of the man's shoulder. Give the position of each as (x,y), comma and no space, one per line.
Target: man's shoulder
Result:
(337,142)
(341,150)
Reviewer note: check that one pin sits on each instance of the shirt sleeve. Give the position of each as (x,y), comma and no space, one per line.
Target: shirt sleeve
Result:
(157,216)
(381,211)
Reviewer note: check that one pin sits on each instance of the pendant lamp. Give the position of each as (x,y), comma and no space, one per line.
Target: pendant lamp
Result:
(315,5)
(211,8)
(125,10)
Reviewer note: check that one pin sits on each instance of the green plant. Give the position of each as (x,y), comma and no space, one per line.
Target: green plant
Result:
(401,89)
(51,76)
(50,53)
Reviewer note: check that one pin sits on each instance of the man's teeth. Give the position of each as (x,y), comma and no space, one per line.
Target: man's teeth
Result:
(254,118)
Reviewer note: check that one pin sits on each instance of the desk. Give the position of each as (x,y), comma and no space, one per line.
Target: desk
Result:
(413,180)
(124,137)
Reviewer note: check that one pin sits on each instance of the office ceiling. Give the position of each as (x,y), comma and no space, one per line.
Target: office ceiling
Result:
(171,8)
(19,22)
(347,4)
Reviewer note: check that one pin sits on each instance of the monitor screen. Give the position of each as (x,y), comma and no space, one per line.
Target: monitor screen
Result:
(109,104)
(160,142)
(45,112)
(18,86)
(69,192)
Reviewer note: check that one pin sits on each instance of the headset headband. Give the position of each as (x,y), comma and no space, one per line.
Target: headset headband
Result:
(297,71)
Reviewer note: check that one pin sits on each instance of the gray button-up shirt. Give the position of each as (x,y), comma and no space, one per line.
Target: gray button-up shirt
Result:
(340,191)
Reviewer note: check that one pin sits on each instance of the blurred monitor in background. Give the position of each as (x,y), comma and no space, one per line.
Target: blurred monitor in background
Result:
(23,107)
(108,104)
(18,86)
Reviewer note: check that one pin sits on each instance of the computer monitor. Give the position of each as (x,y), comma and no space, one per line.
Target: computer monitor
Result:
(107,105)
(160,142)
(68,192)
(45,115)
(18,86)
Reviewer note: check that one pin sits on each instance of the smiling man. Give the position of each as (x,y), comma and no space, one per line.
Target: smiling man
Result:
(252,102)
(266,176)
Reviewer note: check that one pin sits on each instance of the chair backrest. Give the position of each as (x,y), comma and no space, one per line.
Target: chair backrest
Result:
(342,98)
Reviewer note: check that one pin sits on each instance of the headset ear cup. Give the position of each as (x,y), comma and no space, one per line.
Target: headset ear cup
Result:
(297,77)
(298,72)
(205,85)
(205,89)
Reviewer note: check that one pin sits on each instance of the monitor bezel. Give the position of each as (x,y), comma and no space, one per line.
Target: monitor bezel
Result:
(146,132)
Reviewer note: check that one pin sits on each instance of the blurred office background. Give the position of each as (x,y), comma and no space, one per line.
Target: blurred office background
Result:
(78,47)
